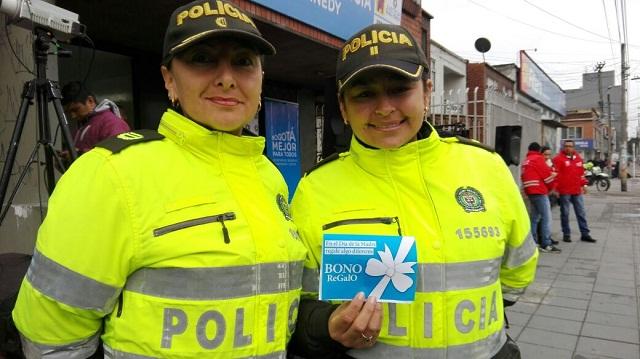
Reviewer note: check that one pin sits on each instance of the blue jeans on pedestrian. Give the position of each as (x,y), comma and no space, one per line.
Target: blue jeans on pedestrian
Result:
(541,212)
(577,200)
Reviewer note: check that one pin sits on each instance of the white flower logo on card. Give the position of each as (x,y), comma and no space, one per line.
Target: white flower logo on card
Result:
(391,269)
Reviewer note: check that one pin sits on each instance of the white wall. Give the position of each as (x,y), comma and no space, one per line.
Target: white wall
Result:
(449,79)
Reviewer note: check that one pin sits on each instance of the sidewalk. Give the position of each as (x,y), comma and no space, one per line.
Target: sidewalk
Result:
(585,301)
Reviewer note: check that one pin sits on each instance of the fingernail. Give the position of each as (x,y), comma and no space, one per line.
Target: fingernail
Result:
(360,296)
(372,299)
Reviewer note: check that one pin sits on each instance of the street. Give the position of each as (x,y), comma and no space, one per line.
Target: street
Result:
(585,301)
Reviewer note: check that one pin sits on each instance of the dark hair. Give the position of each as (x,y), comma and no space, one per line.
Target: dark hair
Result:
(534,146)
(544,148)
(75,91)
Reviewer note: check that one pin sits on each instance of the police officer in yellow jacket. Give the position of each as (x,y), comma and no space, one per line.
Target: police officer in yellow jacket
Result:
(179,243)
(457,199)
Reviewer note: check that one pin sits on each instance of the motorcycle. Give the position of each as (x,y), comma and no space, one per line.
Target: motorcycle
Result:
(594,175)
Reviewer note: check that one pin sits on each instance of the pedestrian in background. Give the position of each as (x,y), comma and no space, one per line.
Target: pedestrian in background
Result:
(571,185)
(553,195)
(537,180)
(176,243)
(96,121)
(399,177)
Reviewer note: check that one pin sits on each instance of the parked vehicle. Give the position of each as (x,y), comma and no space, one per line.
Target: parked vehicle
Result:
(594,175)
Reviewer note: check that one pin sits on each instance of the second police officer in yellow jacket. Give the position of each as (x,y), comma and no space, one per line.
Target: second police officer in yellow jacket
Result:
(174,244)
(457,199)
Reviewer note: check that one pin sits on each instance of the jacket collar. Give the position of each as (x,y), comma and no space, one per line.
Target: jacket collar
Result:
(205,142)
(389,162)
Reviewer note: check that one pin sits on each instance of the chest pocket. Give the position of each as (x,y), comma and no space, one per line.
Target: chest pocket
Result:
(363,221)
(201,231)
(216,218)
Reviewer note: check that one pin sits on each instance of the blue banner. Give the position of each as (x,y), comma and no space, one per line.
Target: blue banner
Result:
(283,139)
(379,266)
(583,144)
(341,18)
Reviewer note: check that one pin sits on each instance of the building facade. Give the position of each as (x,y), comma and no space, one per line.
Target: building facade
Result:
(600,92)
(589,132)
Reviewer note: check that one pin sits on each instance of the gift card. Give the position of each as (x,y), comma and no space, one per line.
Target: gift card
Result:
(380,266)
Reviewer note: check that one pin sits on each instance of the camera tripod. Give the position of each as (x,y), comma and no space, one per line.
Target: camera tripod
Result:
(45,91)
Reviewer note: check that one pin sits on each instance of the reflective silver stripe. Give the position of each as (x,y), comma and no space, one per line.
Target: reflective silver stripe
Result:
(68,287)
(82,349)
(516,256)
(216,283)
(111,353)
(511,294)
(310,280)
(434,277)
(485,348)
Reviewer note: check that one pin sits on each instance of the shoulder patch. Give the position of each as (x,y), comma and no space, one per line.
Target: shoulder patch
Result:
(470,142)
(118,143)
(331,158)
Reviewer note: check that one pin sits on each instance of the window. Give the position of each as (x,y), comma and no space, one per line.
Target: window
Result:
(572,132)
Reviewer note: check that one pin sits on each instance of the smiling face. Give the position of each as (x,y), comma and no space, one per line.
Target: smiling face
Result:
(217,83)
(385,110)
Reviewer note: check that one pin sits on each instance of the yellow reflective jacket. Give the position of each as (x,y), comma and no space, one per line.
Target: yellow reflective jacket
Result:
(181,247)
(463,207)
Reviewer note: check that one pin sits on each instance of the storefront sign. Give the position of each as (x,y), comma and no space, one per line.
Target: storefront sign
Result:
(341,18)
(534,82)
(283,139)
(583,144)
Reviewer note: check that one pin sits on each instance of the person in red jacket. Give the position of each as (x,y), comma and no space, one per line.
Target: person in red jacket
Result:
(97,121)
(571,185)
(537,181)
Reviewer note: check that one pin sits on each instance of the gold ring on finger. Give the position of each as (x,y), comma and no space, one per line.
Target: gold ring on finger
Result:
(367,338)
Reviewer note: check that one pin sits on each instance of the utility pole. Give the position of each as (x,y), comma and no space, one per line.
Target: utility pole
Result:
(598,69)
(623,120)
(609,164)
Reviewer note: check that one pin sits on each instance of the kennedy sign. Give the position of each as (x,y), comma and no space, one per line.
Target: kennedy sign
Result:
(341,18)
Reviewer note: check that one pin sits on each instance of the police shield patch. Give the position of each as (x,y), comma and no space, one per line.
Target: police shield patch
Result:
(470,199)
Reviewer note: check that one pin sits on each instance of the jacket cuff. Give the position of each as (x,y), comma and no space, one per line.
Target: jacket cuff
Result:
(311,338)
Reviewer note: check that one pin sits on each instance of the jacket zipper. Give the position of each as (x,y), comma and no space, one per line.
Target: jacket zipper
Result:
(199,221)
(383,220)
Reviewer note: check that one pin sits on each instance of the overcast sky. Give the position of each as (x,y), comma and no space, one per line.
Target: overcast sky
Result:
(571,36)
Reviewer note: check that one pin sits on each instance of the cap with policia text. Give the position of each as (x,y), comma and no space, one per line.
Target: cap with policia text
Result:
(200,19)
(380,46)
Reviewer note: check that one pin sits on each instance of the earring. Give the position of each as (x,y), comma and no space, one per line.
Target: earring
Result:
(173,100)
(259,105)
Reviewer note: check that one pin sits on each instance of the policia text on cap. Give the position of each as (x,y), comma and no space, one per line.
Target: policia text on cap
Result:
(176,243)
